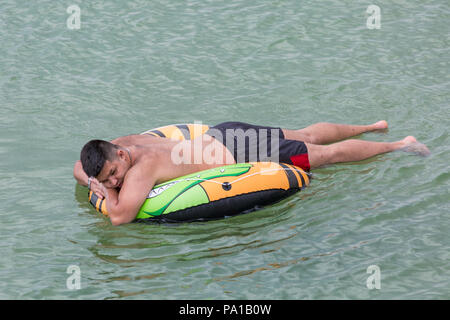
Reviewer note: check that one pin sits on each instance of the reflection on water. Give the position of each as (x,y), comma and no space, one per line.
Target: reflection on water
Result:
(275,265)
(183,242)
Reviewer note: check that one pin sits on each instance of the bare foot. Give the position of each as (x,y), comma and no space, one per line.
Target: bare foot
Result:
(410,144)
(380,125)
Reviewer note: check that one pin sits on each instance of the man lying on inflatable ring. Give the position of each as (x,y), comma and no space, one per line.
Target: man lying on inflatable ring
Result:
(126,169)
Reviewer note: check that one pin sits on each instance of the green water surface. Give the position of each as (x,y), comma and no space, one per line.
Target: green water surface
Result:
(136,65)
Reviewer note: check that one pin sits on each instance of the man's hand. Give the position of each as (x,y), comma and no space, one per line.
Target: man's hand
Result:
(98,188)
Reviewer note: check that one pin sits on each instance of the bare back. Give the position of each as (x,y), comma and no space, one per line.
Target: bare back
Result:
(176,158)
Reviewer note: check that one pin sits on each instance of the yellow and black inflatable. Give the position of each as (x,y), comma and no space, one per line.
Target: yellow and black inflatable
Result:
(218,192)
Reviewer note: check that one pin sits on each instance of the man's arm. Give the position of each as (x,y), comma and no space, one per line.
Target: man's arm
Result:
(123,206)
(79,174)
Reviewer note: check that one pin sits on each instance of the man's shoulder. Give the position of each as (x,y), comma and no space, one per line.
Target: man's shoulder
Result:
(134,139)
(148,160)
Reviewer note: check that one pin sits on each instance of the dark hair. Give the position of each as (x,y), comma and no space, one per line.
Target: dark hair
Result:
(94,154)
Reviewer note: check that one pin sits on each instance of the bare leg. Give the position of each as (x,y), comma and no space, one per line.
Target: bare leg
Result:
(355,150)
(324,132)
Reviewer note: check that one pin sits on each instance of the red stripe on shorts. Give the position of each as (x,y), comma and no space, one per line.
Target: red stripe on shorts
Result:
(301,160)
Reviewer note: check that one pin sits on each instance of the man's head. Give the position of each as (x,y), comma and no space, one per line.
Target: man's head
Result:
(105,161)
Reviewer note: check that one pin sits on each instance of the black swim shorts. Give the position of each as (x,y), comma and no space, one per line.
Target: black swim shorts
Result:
(253,143)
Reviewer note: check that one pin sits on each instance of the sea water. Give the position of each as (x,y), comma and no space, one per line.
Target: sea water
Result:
(71,71)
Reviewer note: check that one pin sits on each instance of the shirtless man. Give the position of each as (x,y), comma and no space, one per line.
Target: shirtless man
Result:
(126,169)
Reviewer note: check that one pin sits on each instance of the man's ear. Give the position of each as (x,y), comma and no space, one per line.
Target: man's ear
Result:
(121,154)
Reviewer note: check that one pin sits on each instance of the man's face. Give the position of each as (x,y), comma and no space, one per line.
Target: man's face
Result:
(113,172)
